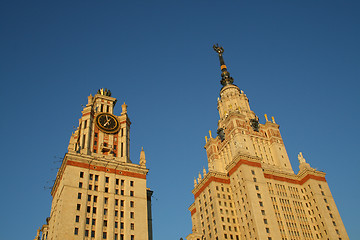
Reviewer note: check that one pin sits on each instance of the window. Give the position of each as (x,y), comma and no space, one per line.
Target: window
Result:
(87,220)
(95,198)
(131,214)
(132,226)
(131,203)
(90,187)
(122,192)
(252,172)
(106,189)
(107,179)
(132,237)
(81,174)
(89,198)
(80,184)
(94,209)
(77,218)
(131,193)
(257,187)
(265,221)
(96,178)
(78,207)
(116,224)
(79,195)
(104,235)
(96,188)
(105,211)
(259,195)
(131,183)
(263,212)
(121,225)
(91,176)
(116,213)
(116,202)
(105,223)
(76,231)
(88,209)
(122,203)
(267,230)
(93,222)
(86,233)
(122,182)
(122,214)
(92,233)
(106,200)
(117,181)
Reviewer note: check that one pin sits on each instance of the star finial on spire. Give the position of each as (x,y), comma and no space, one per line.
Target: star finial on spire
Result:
(225,75)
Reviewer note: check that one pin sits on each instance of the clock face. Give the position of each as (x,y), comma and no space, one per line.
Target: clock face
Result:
(107,123)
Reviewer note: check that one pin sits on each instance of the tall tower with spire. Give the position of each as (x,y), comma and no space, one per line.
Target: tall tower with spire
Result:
(250,190)
(99,193)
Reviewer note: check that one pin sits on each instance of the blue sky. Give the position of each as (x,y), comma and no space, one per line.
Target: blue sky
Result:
(295,60)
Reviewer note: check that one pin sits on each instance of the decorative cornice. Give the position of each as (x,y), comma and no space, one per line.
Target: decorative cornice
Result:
(208,178)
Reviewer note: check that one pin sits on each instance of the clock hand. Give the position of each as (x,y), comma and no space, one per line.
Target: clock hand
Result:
(107,122)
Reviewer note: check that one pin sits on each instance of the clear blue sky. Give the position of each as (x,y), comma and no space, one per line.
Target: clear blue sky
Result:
(296,60)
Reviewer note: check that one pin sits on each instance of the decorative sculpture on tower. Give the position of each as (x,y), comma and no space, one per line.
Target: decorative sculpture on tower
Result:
(225,75)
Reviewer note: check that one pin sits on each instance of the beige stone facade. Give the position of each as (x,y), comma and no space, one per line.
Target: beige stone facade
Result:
(98,192)
(250,190)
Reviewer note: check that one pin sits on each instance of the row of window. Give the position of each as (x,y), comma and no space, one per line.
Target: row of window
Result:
(91,234)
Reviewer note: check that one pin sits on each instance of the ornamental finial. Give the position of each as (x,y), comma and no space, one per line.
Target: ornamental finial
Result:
(225,75)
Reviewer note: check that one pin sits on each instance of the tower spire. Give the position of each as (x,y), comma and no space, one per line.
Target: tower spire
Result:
(225,75)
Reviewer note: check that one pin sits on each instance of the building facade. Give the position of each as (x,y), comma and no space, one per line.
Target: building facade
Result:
(98,192)
(250,190)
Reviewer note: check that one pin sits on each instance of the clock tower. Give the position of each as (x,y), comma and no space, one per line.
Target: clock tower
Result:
(100,133)
(99,193)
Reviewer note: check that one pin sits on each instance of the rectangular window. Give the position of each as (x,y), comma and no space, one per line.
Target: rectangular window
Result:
(79,195)
(116,224)
(88,209)
(105,223)
(132,226)
(117,181)
(122,182)
(106,189)
(122,192)
(89,198)
(91,176)
(131,193)
(87,220)
(131,203)
(116,191)
(96,188)
(93,221)
(94,209)
(116,213)
(265,221)
(95,198)
(132,237)
(81,174)
(107,179)
(106,200)
(80,184)
(76,231)
(122,214)
(105,211)
(116,202)
(122,203)
(90,187)
(121,225)
(96,178)
(131,214)
(78,207)
(86,233)
(131,183)
(92,233)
